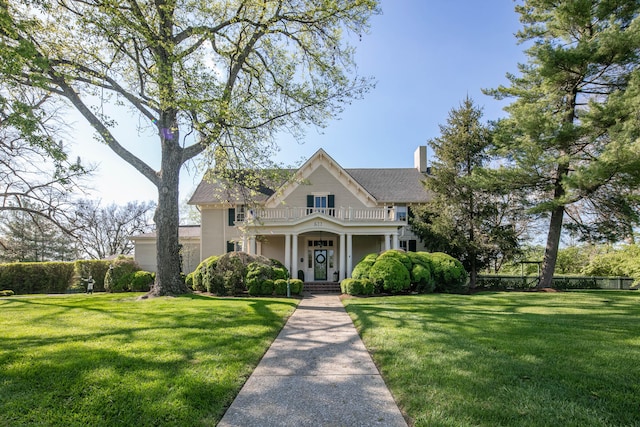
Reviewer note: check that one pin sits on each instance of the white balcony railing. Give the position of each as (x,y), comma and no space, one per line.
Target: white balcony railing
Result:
(286,214)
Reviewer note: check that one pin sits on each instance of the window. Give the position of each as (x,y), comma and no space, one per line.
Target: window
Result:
(240,216)
(233,246)
(401,213)
(408,245)
(322,203)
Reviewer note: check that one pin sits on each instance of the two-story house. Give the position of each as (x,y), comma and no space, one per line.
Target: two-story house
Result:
(319,223)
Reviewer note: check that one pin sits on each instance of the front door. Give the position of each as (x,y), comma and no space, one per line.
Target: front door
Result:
(319,264)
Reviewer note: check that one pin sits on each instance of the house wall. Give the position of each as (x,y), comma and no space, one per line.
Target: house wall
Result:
(145,255)
(321,181)
(273,247)
(365,245)
(190,256)
(216,231)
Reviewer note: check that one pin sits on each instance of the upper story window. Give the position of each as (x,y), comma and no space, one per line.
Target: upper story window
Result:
(401,213)
(321,202)
(240,213)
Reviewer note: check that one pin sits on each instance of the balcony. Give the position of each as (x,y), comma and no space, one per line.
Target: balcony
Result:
(290,214)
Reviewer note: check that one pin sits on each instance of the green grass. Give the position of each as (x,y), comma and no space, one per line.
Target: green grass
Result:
(508,359)
(112,360)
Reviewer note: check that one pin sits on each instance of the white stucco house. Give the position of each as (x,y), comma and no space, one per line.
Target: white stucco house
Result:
(320,223)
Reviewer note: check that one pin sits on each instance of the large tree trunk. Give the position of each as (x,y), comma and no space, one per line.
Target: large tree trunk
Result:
(555,230)
(168,280)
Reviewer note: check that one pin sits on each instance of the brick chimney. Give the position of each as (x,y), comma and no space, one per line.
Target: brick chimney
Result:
(420,159)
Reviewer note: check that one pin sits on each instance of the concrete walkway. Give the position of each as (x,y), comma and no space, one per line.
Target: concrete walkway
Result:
(316,373)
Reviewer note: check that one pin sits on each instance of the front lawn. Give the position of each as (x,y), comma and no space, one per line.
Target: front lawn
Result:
(508,359)
(112,360)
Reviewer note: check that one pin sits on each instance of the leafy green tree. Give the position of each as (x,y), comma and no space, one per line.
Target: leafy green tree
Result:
(462,219)
(568,135)
(622,261)
(221,77)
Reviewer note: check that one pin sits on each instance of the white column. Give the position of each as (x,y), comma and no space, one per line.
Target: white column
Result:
(387,238)
(349,255)
(287,251)
(343,257)
(394,244)
(252,245)
(294,264)
(245,244)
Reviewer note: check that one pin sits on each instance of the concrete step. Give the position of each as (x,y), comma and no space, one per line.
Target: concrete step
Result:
(321,287)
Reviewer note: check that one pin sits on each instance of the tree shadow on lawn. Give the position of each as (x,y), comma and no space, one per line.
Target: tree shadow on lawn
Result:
(175,362)
(508,359)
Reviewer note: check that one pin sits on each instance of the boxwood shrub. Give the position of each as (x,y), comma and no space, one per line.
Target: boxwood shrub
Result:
(390,275)
(141,281)
(395,271)
(449,273)
(120,274)
(357,286)
(236,272)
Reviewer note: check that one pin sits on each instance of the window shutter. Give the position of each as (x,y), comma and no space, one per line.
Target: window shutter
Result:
(231,246)
(412,245)
(309,200)
(331,201)
(232,217)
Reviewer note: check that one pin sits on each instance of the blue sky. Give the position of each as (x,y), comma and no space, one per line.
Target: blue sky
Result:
(426,56)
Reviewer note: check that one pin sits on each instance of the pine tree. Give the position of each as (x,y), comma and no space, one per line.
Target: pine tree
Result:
(569,96)
(462,219)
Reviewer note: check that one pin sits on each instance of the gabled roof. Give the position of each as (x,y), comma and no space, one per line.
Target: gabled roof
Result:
(399,185)
(320,158)
(403,185)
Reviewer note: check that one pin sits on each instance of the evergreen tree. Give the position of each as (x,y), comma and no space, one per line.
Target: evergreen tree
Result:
(567,137)
(462,219)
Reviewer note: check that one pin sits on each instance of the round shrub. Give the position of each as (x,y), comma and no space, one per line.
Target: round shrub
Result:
(390,275)
(357,286)
(449,273)
(398,255)
(421,276)
(254,289)
(361,270)
(296,285)
(141,281)
(258,272)
(119,274)
(188,280)
(280,287)
(267,287)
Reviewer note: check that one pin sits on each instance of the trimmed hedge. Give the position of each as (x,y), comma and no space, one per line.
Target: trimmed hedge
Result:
(96,268)
(357,287)
(236,272)
(390,275)
(448,273)
(395,271)
(280,286)
(63,277)
(37,277)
